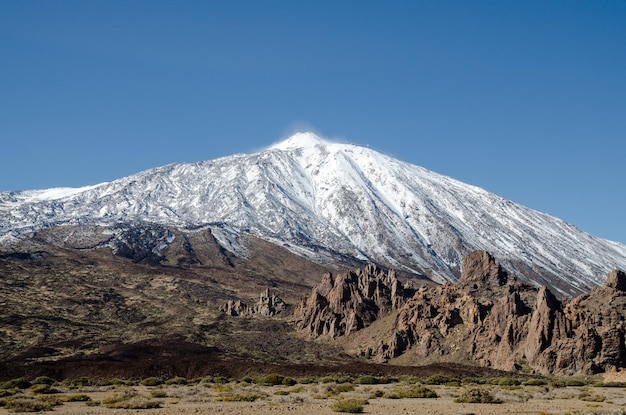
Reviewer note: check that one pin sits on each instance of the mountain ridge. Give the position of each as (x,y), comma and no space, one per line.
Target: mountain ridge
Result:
(319,199)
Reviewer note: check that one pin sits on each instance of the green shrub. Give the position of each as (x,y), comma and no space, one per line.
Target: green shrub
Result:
(52,400)
(366,380)
(43,389)
(477,395)
(438,380)
(43,380)
(27,405)
(587,397)
(415,392)
(158,394)
(281,393)
(77,383)
(19,383)
(176,381)
(220,380)
(609,384)
(289,381)
(306,381)
(505,381)
(574,382)
(4,393)
(152,381)
(343,387)
(477,381)
(535,382)
(351,405)
(240,397)
(270,380)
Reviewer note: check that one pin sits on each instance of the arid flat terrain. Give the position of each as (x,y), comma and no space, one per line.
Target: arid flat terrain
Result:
(320,396)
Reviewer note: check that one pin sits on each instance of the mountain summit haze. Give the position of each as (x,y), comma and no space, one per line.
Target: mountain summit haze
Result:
(327,201)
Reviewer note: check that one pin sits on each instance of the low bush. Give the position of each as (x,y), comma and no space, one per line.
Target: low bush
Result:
(43,380)
(609,384)
(27,405)
(438,380)
(351,405)
(19,383)
(477,395)
(272,379)
(535,382)
(366,380)
(43,389)
(415,392)
(306,381)
(505,381)
(476,381)
(220,380)
(588,397)
(152,381)
(575,382)
(176,381)
(240,397)
(4,393)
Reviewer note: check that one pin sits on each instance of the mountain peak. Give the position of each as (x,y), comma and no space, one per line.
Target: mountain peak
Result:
(305,139)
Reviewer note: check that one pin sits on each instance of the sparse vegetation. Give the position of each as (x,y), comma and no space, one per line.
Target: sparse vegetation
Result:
(27,405)
(240,397)
(348,397)
(350,405)
(19,383)
(152,381)
(43,380)
(476,395)
(176,381)
(415,391)
(438,380)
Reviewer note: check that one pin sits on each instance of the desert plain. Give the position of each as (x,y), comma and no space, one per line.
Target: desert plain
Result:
(320,396)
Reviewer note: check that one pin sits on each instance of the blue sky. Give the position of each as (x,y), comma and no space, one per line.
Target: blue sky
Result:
(524,98)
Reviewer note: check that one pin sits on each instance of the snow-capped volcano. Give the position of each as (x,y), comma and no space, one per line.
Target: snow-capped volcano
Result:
(315,196)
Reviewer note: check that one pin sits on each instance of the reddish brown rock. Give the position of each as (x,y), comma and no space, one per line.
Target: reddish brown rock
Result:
(488,318)
(351,301)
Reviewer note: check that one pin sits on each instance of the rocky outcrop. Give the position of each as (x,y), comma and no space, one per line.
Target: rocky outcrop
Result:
(488,318)
(342,304)
(268,305)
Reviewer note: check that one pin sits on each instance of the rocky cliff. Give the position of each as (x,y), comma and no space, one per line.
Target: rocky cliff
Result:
(487,318)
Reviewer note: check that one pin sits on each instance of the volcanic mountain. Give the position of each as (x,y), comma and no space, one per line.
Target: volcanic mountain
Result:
(327,202)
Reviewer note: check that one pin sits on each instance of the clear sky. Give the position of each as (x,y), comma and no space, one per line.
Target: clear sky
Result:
(524,98)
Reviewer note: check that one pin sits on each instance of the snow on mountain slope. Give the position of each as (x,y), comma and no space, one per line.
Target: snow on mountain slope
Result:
(318,196)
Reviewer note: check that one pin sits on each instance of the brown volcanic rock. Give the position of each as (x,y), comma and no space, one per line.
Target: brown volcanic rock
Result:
(350,301)
(268,305)
(617,280)
(487,318)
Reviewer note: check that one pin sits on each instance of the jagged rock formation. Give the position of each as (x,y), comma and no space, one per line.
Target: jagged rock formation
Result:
(268,305)
(488,318)
(348,302)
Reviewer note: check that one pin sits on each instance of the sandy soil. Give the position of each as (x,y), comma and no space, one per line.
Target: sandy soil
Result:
(316,399)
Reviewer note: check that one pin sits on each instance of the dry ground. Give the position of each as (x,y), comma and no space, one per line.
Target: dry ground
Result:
(319,398)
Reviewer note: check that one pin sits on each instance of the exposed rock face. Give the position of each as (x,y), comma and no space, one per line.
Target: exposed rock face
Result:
(348,302)
(268,305)
(488,318)
(616,280)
